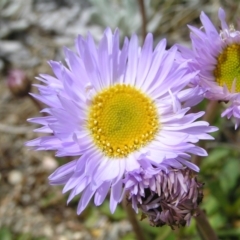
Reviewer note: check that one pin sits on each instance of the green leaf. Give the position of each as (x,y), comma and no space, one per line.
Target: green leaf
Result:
(25,236)
(216,191)
(5,234)
(215,157)
(218,220)
(210,204)
(229,175)
(129,236)
(229,232)
(166,233)
(119,213)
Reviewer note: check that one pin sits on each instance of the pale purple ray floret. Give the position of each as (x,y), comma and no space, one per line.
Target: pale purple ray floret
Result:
(68,96)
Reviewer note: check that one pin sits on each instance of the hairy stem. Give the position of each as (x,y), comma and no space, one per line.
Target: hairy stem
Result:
(210,114)
(211,111)
(204,227)
(144,20)
(133,220)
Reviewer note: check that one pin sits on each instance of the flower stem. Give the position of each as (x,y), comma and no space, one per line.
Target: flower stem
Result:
(211,111)
(133,220)
(210,114)
(144,20)
(204,227)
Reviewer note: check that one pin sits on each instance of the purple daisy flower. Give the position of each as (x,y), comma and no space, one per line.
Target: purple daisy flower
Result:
(115,110)
(216,55)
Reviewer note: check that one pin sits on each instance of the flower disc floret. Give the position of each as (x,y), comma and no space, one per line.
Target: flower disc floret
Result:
(228,67)
(121,120)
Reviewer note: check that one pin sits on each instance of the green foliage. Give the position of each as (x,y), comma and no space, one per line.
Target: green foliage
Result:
(5,234)
(221,173)
(118,215)
(215,158)
(128,236)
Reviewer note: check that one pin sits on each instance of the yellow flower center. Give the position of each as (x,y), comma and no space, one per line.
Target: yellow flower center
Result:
(122,120)
(228,67)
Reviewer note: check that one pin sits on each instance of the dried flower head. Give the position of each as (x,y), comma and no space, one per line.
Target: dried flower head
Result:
(166,198)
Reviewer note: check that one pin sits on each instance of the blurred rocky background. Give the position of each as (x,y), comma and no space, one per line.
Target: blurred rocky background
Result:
(33,32)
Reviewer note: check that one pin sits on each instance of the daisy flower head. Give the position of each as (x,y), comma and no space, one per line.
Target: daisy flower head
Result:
(116,110)
(216,54)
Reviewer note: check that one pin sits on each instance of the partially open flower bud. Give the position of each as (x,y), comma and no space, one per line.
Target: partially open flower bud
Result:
(169,198)
(18,83)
